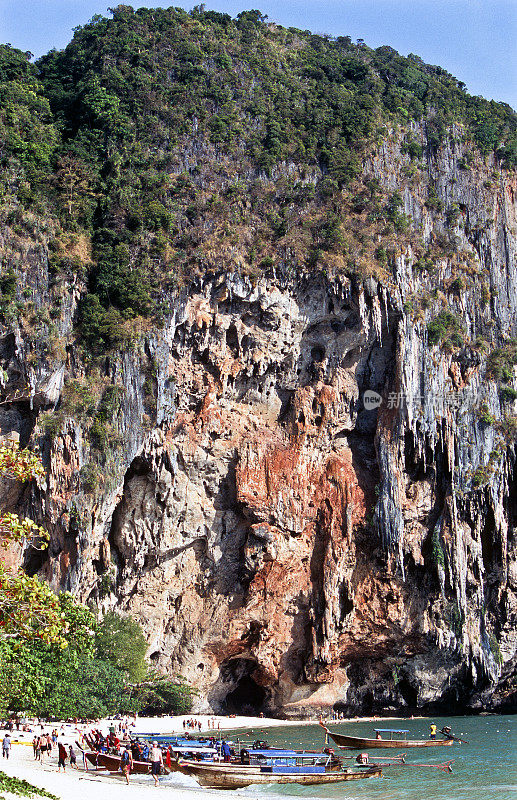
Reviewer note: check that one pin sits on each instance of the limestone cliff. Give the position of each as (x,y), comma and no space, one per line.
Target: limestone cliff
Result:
(285,546)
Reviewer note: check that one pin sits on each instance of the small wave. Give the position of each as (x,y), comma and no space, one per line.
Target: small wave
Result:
(179,780)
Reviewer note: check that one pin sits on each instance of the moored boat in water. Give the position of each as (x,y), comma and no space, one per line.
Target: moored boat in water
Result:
(361,743)
(234,776)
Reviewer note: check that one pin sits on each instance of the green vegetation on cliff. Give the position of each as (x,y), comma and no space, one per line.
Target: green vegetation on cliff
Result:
(156,135)
(102,670)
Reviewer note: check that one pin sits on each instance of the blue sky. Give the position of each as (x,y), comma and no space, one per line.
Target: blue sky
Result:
(475,40)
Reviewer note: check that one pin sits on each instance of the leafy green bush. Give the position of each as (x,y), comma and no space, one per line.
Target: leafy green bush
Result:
(394,214)
(433,202)
(501,362)
(508,428)
(481,475)
(458,285)
(446,329)
(484,416)
(508,394)
(413,149)
(453,215)
(8,283)
(344,165)
(99,434)
(101,327)
(120,642)
(27,129)
(163,696)
(22,788)
(102,670)
(157,217)
(77,399)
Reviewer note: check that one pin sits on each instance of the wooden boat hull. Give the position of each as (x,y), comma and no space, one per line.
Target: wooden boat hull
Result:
(358,743)
(112,763)
(235,777)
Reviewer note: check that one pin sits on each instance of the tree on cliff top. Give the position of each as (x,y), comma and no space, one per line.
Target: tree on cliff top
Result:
(132,94)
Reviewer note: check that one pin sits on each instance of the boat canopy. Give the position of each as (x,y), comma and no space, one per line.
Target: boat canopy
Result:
(273,753)
(177,740)
(277,756)
(390,730)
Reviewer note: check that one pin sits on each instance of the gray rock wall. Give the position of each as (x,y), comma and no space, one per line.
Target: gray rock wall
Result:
(283,546)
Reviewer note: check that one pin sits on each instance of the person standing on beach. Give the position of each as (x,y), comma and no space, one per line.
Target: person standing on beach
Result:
(126,763)
(35,748)
(156,762)
(6,746)
(42,747)
(73,757)
(62,756)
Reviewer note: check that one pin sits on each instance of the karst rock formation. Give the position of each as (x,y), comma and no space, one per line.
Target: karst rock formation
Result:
(289,544)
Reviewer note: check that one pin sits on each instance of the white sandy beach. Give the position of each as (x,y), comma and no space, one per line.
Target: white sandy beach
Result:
(82,785)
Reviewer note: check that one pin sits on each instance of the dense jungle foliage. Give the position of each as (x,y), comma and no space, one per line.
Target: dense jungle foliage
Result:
(157,143)
(101,670)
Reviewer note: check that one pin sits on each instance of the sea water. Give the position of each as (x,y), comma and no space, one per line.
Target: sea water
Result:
(483,769)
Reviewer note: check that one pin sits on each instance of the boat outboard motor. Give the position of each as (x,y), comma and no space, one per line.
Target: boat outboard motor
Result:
(448,735)
(260,744)
(245,756)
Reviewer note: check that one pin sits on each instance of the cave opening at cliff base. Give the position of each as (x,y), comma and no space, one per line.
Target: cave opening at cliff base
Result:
(246,696)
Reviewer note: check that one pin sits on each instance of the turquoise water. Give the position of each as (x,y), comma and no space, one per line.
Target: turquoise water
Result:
(484,769)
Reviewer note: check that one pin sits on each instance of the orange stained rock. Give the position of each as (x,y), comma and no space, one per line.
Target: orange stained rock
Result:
(199,312)
(272,474)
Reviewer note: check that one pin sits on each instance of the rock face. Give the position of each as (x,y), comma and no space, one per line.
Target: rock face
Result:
(286,547)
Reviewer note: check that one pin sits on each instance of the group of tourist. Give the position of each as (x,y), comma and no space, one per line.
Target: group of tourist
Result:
(136,751)
(192,724)
(11,724)
(43,745)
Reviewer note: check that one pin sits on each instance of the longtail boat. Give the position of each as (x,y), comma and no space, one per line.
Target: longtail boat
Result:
(112,763)
(234,776)
(360,743)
